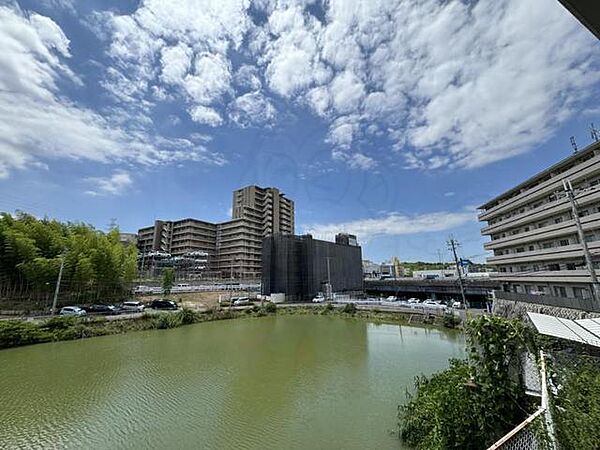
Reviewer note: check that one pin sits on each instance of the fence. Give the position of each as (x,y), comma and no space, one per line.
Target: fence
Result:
(584,304)
(526,436)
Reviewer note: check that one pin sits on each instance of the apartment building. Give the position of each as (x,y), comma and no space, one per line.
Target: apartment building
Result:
(233,247)
(534,237)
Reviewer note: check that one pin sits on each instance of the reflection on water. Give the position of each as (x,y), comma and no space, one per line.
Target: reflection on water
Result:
(277,382)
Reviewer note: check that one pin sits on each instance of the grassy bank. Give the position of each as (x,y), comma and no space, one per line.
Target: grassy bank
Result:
(15,333)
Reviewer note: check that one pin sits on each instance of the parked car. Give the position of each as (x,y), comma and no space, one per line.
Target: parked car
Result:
(319,298)
(101,309)
(413,300)
(457,305)
(163,304)
(133,306)
(72,311)
(143,289)
(391,298)
(433,304)
(242,301)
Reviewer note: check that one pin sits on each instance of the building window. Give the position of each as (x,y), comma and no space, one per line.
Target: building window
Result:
(571,266)
(564,242)
(579,292)
(553,267)
(531,248)
(560,291)
(547,245)
(558,220)
(520,250)
(583,213)
(541,289)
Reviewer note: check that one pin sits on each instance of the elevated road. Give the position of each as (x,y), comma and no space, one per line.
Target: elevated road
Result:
(476,290)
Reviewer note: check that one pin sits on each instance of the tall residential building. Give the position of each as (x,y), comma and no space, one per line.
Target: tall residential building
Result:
(534,238)
(233,247)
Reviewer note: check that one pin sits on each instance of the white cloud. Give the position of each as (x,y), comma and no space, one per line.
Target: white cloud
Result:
(252,109)
(343,131)
(176,62)
(360,161)
(347,91)
(247,77)
(393,224)
(205,115)
(38,123)
(115,184)
(211,79)
(449,83)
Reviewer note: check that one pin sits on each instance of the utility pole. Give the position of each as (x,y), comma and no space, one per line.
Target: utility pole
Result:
(586,251)
(60,271)
(440,258)
(452,245)
(329,289)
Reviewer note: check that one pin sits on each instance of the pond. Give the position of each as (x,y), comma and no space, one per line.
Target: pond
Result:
(293,382)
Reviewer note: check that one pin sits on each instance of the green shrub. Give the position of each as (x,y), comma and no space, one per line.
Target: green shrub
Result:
(327,309)
(59,323)
(473,403)
(576,409)
(450,320)
(188,316)
(271,308)
(14,334)
(438,414)
(164,321)
(349,308)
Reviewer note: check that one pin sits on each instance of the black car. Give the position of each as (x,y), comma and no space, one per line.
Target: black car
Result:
(163,304)
(101,309)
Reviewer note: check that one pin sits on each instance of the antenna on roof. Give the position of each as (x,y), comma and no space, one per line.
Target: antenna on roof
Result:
(573,144)
(595,134)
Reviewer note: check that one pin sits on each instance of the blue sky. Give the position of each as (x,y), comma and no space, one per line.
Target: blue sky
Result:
(390,119)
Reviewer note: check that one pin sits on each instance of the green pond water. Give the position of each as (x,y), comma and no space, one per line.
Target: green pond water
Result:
(288,382)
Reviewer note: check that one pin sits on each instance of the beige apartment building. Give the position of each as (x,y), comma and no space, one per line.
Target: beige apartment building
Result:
(233,247)
(534,237)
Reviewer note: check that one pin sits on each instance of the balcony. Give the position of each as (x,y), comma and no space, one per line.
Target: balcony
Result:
(550,254)
(544,211)
(575,174)
(566,227)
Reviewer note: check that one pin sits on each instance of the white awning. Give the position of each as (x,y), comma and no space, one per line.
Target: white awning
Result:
(585,331)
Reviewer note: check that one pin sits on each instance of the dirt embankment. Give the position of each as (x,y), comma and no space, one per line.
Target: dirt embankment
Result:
(199,300)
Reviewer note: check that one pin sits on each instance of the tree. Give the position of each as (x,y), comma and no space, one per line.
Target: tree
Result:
(95,262)
(168,280)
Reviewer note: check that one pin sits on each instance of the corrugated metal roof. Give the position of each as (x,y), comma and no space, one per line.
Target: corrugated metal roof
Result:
(585,331)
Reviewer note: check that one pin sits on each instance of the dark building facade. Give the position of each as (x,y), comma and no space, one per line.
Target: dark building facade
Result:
(300,266)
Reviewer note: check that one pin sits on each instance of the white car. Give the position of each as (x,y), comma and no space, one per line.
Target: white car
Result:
(433,304)
(242,301)
(318,299)
(133,307)
(72,311)
(391,298)
(457,305)
(413,300)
